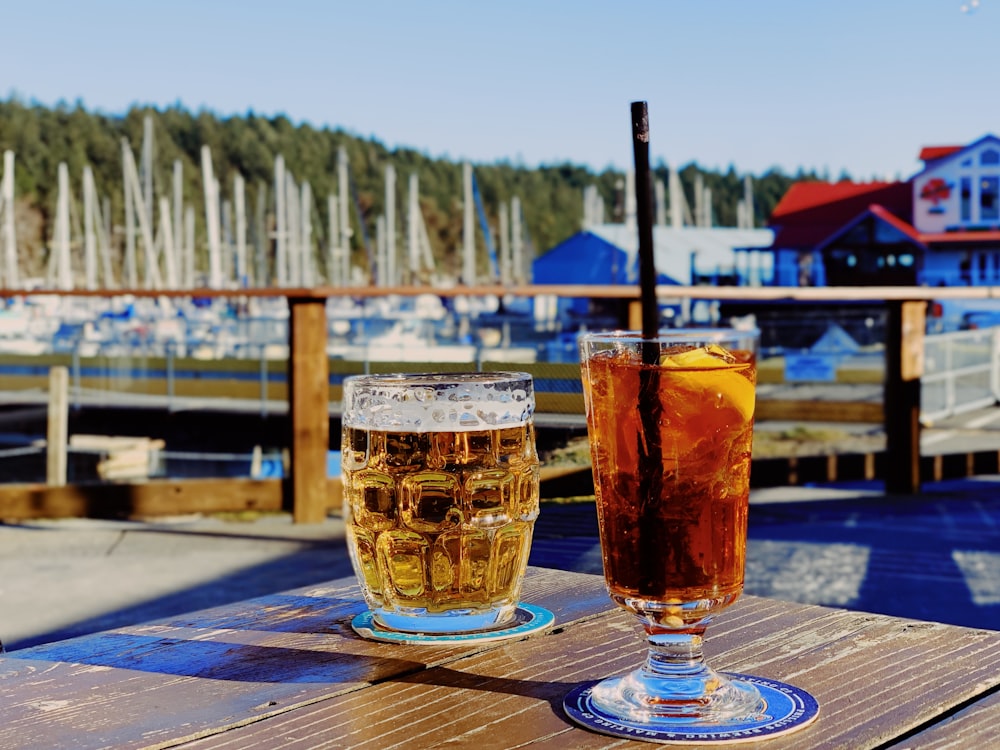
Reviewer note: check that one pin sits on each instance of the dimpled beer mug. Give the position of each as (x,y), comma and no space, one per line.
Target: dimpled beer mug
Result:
(440,498)
(670,420)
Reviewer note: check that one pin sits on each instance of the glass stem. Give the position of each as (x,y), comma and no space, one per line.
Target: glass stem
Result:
(676,654)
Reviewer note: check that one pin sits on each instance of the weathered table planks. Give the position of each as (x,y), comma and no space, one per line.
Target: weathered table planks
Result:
(286,671)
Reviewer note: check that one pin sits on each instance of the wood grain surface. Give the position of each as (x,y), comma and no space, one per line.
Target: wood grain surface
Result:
(154,685)
(286,671)
(876,678)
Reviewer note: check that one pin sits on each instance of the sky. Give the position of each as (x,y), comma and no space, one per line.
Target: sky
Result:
(827,85)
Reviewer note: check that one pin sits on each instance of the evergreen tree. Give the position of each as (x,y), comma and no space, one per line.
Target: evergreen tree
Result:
(550,195)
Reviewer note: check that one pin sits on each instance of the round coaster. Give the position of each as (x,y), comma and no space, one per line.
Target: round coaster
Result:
(528,618)
(786,709)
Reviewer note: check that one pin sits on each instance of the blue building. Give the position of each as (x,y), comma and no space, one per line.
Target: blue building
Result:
(608,254)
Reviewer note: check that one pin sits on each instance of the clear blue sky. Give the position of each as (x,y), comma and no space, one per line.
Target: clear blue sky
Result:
(859,85)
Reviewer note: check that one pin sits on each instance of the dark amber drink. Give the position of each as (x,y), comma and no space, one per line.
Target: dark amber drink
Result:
(670,436)
(670,418)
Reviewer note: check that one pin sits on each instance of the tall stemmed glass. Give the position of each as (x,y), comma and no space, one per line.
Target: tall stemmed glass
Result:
(670,421)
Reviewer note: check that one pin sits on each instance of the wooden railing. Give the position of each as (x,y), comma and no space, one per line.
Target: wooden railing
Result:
(306,492)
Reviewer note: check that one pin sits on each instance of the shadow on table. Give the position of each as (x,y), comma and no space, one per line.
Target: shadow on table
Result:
(550,691)
(221,660)
(311,565)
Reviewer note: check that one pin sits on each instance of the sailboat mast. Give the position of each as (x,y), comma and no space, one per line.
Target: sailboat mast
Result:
(89,235)
(412,228)
(212,219)
(261,245)
(517,241)
(9,240)
(661,203)
(505,259)
(280,247)
(293,244)
(343,191)
(239,200)
(131,271)
(390,225)
(307,277)
(64,276)
(189,269)
(333,237)
(468,229)
(169,244)
(380,252)
(104,241)
(147,168)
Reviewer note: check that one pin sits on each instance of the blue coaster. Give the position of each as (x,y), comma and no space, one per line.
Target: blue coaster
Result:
(786,709)
(528,618)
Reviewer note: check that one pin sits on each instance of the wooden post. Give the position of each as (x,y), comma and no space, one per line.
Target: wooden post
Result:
(58,427)
(904,365)
(308,409)
(634,315)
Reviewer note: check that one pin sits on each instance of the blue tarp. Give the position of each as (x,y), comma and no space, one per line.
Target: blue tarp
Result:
(271,468)
(584,258)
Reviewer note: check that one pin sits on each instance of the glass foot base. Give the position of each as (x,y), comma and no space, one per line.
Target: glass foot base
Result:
(529,618)
(782,709)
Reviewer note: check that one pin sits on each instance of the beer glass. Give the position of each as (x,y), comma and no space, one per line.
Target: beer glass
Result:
(440,496)
(670,423)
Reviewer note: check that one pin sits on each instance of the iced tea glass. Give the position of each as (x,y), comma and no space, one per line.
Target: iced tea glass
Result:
(440,496)
(670,422)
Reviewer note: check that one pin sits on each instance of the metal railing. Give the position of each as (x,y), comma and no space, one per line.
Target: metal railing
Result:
(961,373)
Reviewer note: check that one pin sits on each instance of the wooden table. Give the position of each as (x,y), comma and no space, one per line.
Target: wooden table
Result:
(287,671)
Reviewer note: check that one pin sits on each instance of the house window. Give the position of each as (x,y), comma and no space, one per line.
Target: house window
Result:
(989,198)
(965,199)
(990,156)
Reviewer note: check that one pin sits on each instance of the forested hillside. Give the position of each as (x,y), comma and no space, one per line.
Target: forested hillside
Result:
(551,196)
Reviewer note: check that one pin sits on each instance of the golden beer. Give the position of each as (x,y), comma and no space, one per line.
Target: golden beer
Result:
(440,496)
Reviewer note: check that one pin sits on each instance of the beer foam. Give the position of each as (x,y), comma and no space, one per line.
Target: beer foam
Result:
(438,402)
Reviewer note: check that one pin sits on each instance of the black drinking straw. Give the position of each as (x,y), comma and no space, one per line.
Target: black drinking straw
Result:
(644,217)
(651,547)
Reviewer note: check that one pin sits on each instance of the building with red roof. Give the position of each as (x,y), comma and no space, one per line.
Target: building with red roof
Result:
(939,228)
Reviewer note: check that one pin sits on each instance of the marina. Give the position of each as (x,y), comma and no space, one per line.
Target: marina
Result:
(171,306)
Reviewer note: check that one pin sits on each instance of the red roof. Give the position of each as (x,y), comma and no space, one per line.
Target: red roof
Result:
(802,196)
(812,211)
(930,153)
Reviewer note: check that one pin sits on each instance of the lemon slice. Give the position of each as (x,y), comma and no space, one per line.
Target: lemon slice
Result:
(710,370)
(708,357)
